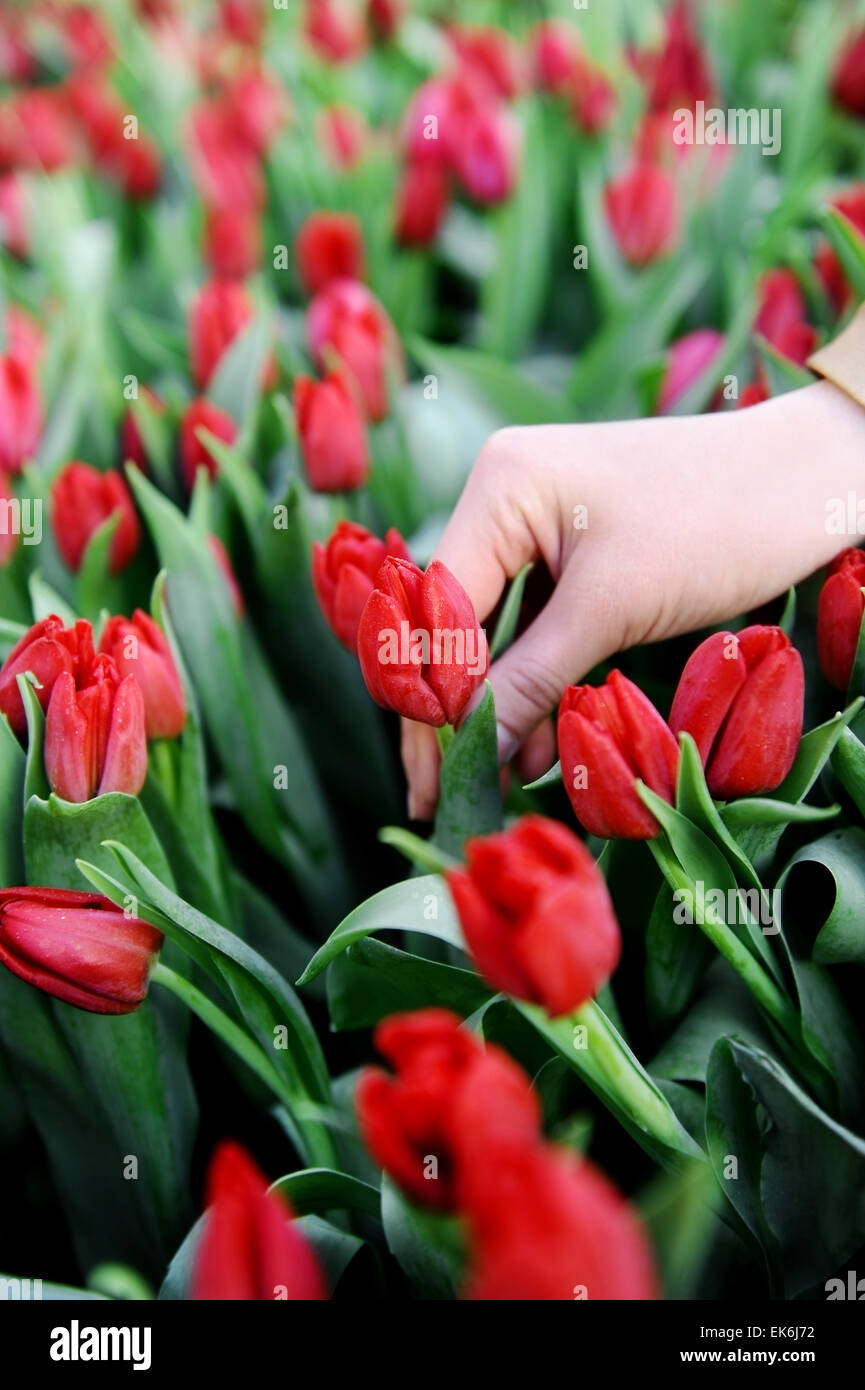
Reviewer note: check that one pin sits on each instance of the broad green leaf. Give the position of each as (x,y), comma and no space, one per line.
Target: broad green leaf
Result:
(470,798)
(511,394)
(428,1247)
(314,1191)
(371,980)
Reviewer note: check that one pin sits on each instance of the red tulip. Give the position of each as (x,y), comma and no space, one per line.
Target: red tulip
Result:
(451,1104)
(250,1247)
(202,414)
(47,649)
(753,394)
(687,359)
(82,499)
(839,616)
(485,153)
(221,556)
(221,310)
(77,947)
(609,736)
(329,246)
(741,697)
(242,20)
(781,316)
(642,209)
(35,130)
(848,82)
(546,1225)
(347,318)
(335,29)
(232,241)
(332,434)
(554,48)
(88,37)
(431,120)
(25,338)
(344,571)
(257,105)
(680,74)
(594,97)
(8,536)
(422,203)
(536,914)
(132,446)
(139,648)
(94,737)
(226,169)
(490,58)
(421,650)
(20,413)
(385,16)
(343,135)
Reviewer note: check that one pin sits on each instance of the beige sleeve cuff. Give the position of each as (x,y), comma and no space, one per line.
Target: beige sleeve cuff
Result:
(843,360)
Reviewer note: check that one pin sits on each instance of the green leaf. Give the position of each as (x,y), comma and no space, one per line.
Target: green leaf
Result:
(507,623)
(510,393)
(35,781)
(12,769)
(547,779)
(422,853)
(94,577)
(371,980)
(403,907)
(677,957)
(236,384)
(428,1247)
(315,1191)
(784,375)
(470,798)
(849,246)
(823,885)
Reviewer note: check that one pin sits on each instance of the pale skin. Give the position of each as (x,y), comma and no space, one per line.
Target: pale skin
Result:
(691,521)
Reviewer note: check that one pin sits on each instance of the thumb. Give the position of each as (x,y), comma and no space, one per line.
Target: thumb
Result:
(571,635)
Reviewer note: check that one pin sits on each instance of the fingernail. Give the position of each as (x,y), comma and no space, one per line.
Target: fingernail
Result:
(506,743)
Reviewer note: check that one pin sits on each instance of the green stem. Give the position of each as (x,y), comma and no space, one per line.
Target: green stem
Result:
(312,1138)
(761,984)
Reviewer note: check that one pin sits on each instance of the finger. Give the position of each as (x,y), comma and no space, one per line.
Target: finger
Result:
(538,752)
(420,758)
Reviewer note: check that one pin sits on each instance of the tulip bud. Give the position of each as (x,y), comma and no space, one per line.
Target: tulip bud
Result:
(258,106)
(741,698)
(82,499)
(554,48)
(250,1247)
(385,16)
(202,414)
(335,29)
(242,20)
(332,434)
(451,1100)
(46,650)
(609,736)
(536,914)
(753,394)
(680,74)
(546,1225)
(421,649)
(329,246)
(839,617)
(344,571)
(348,319)
(429,126)
(490,58)
(485,154)
(225,167)
(642,209)
(232,241)
(139,648)
(848,82)
(77,947)
(221,310)
(343,135)
(94,737)
(20,413)
(422,203)
(594,97)
(781,316)
(687,359)
(35,130)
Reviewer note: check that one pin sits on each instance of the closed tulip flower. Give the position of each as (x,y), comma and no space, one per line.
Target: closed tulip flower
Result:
(421,649)
(680,74)
(344,572)
(536,914)
(422,203)
(329,246)
(385,16)
(839,617)
(343,135)
(348,319)
(82,499)
(450,1102)
(77,947)
(741,698)
(554,49)
(546,1225)
(139,648)
(848,82)
(609,736)
(94,737)
(132,446)
(332,434)
(781,316)
(486,152)
(194,454)
(232,241)
(221,310)
(47,649)
(335,29)
(20,412)
(250,1247)
(642,210)
(687,359)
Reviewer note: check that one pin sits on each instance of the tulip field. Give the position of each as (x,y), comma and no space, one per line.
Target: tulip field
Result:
(379,917)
